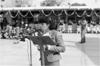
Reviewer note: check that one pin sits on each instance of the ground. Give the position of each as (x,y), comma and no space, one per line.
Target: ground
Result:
(76,54)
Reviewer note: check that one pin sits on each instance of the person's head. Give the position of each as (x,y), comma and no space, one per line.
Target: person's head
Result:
(84,22)
(36,25)
(44,24)
(47,24)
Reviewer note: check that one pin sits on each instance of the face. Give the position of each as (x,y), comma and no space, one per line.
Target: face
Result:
(44,26)
(37,26)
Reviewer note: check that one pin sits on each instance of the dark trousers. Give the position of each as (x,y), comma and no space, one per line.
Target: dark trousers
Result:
(83,38)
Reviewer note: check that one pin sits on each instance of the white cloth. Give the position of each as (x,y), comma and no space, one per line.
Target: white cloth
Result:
(35,53)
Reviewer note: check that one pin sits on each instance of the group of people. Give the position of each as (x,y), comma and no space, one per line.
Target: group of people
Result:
(93,28)
(76,28)
(12,32)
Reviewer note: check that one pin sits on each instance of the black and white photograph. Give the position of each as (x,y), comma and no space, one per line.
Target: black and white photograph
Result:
(49,32)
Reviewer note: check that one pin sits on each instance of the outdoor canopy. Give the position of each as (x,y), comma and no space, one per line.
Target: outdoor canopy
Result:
(24,12)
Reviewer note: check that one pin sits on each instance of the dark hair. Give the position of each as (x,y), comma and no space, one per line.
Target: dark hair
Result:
(44,20)
(36,22)
(53,25)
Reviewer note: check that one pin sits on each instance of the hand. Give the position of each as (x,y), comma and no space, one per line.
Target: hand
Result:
(48,47)
(44,47)
(38,47)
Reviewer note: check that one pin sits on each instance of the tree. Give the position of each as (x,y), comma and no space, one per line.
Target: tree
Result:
(50,3)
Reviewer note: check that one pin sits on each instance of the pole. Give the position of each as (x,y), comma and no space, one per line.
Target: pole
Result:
(30,53)
(41,51)
(42,55)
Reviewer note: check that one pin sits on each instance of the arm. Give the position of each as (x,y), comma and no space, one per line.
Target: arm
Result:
(60,44)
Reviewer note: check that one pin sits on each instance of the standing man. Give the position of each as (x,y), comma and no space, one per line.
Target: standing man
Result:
(83,30)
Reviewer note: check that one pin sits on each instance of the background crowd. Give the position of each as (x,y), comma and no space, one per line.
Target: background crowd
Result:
(18,26)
